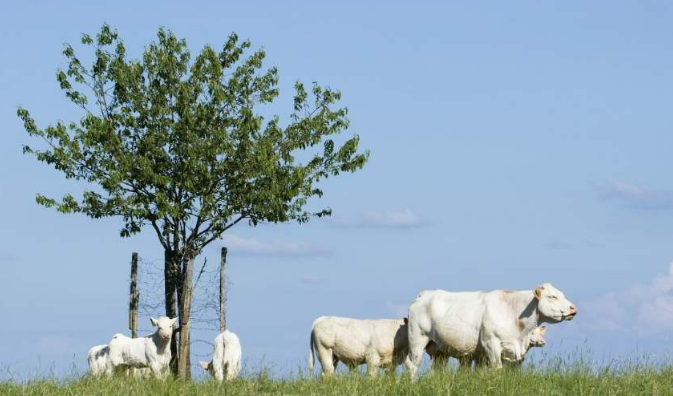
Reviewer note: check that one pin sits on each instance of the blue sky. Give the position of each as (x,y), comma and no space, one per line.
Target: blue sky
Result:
(512,144)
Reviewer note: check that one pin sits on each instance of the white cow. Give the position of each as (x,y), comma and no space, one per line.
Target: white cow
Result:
(97,358)
(153,351)
(226,361)
(378,343)
(466,324)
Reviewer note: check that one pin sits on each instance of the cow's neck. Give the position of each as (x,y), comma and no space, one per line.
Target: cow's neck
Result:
(525,305)
(160,342)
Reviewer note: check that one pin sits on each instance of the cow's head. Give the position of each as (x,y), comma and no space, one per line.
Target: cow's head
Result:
(207,366)
(553,305)
(537,336)
(165,326)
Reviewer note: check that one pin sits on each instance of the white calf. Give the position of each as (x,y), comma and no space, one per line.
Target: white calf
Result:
(378,343)
(153,351)
(226,361)
(97,358)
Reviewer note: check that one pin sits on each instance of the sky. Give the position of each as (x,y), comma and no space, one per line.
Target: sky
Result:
(512,144)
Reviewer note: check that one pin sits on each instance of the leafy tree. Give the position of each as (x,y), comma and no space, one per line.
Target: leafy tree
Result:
(178,145)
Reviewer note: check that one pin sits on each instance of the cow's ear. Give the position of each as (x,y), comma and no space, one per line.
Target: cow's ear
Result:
(543,330)
(406,321)
(204,365)
(173,321)
(154,322)
(538,292)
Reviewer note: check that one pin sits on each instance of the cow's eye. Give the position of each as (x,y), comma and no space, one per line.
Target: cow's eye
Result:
(553,297)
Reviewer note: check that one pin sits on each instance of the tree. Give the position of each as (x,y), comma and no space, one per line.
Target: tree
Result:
(179,146)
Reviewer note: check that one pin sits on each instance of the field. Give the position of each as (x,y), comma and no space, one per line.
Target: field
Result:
(645,380)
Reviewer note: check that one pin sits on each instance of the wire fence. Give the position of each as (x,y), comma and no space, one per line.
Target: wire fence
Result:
(205,315)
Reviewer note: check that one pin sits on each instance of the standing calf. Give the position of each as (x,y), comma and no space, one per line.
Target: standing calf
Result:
(153,351)
(378,343)
(226,361)
(512,352)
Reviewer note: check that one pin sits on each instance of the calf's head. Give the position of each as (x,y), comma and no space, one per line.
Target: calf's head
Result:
(537,337)
(553,305)
(207,366)
(165,326)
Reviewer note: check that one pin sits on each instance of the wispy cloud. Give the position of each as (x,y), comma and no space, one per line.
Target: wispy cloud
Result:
(7,258)
(559,245)
(254,247)
(310,278)
(641,309)
(565,245)
(390,219)
(636,196)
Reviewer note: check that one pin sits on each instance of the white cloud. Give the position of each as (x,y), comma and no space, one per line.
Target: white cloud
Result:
(637,196)
(254,247)
(391,219)
(642,309)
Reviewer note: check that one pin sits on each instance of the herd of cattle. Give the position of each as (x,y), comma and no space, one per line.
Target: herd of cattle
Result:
(483,327)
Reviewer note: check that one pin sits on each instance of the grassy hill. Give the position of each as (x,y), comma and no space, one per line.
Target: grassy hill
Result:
(645,381)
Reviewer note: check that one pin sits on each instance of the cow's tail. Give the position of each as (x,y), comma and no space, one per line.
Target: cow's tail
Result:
(218,356)
(311,354)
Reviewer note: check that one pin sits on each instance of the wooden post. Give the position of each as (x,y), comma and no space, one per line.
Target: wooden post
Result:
(223,290)
(184,367)
(134,296)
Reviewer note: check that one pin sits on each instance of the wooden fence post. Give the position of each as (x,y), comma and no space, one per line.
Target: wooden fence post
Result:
(134,296)
(223,290)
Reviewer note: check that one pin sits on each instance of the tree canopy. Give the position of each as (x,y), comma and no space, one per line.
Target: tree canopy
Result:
(179,144)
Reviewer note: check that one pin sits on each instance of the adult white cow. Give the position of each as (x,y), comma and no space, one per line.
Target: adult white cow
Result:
(153,351)
(466,324)
(376,342)
(226,361)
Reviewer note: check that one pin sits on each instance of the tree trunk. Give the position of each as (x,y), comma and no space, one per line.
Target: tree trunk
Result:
(223,290)
(170,290)
(134,296)
(184,366)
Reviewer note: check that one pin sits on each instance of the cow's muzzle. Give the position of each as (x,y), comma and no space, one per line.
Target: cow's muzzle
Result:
(571,315)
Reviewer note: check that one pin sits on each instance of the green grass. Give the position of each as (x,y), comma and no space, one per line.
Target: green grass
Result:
(644,381)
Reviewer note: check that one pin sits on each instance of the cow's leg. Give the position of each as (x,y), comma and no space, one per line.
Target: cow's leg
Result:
(155,368)
(439,361)
(326,358)
(465,362)
(493,352)
(372,359)
(109,370)
(227,371)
